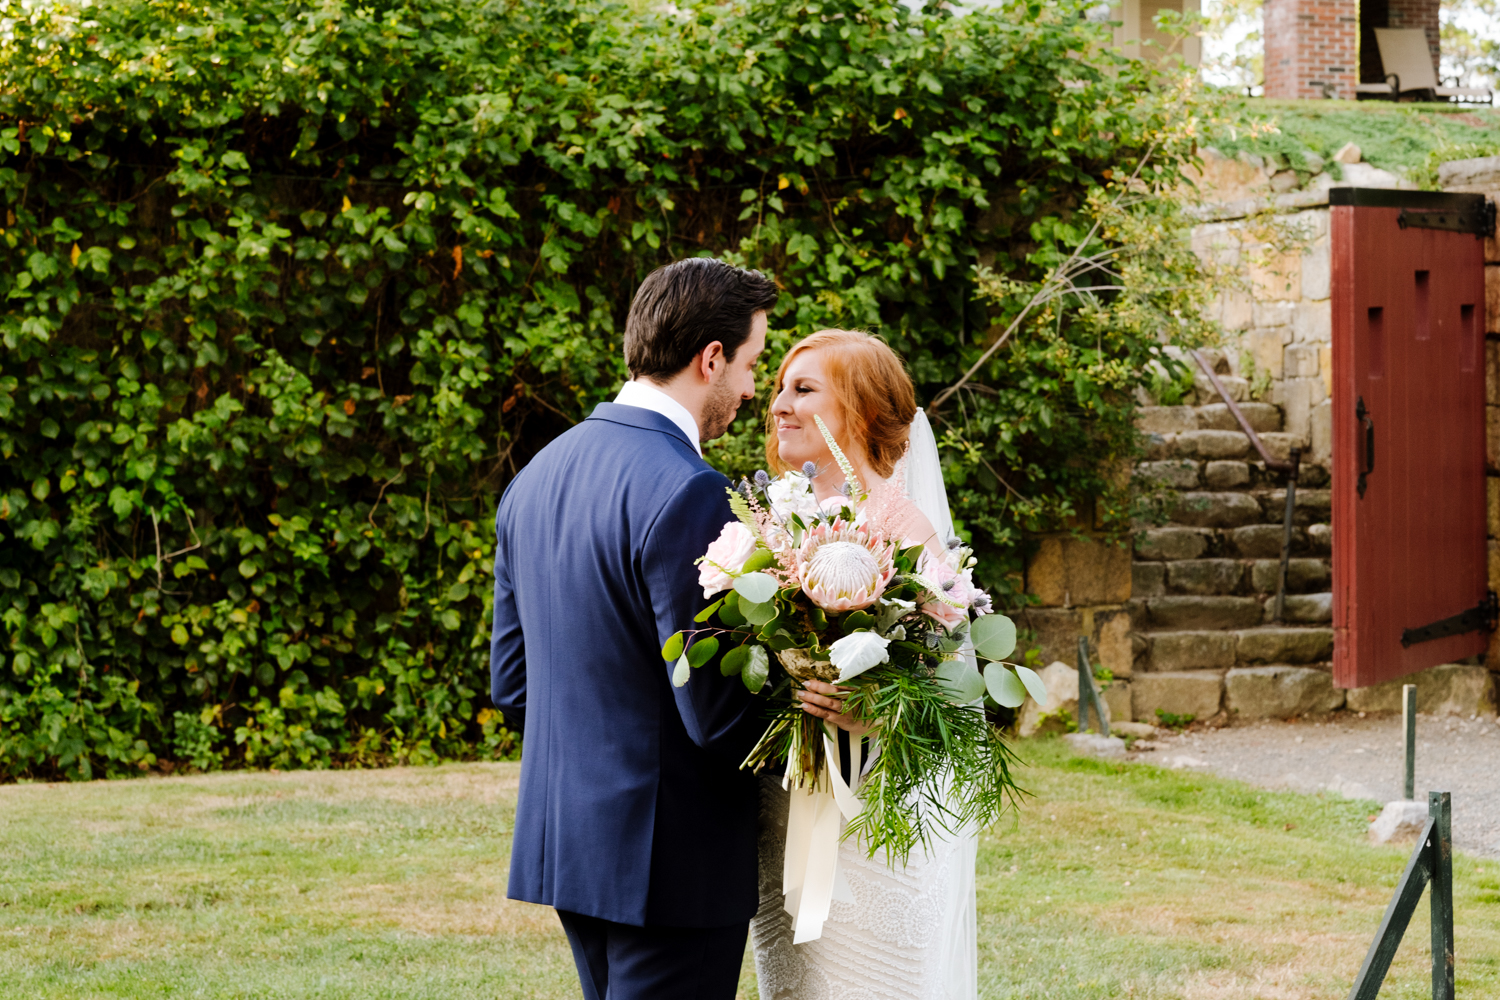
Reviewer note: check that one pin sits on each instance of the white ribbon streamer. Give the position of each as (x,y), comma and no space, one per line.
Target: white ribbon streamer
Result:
(811,878)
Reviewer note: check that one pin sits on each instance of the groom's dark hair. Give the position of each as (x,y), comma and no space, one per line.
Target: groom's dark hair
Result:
(684,306)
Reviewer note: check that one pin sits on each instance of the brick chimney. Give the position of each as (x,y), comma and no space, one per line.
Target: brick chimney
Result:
(1310,48)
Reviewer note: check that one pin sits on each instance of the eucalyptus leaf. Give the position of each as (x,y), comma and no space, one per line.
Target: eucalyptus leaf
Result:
(1034,685)
(758,588)
(734,661)
(961,680)
(759,559)
(702,651)
(730,615)
(758,614)
(682,671)
(1005,687)
(757,668)
(994,636)
(672,648)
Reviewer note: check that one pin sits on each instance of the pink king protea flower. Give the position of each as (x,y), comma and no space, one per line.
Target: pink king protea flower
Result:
(844,568)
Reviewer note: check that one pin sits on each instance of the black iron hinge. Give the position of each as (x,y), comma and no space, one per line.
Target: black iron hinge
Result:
(1485,616)
(1480,223)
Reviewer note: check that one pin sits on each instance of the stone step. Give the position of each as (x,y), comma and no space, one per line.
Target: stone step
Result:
(1251,541)
(1202,577)
(1216,444)
(1222,475)
(1220,509)
(1263,418)
(1202,649)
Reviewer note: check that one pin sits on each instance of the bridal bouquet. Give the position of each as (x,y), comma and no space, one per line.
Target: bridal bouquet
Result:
(823,591)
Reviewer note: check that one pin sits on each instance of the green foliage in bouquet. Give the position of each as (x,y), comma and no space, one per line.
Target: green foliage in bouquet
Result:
(292,289)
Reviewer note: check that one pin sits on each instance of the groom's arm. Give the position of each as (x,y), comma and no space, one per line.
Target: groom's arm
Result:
(719,714)
(507,647)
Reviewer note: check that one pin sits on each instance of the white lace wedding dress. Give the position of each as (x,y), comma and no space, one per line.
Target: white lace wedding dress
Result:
(910,933)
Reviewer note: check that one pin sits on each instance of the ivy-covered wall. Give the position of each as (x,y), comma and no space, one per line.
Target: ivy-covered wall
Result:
(292,289)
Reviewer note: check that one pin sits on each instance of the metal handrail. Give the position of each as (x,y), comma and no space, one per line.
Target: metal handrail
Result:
(1292,468)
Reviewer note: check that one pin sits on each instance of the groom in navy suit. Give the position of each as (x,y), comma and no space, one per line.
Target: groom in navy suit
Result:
(634,819)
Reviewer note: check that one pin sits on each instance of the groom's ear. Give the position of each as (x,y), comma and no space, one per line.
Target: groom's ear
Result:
(711,361)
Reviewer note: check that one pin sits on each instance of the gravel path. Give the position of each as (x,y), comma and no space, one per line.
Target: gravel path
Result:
(1358,758)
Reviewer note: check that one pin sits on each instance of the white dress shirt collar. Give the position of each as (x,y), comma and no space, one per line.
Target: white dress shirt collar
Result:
(648,397)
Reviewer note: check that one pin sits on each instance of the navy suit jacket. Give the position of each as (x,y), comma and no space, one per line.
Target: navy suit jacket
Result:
(632,807)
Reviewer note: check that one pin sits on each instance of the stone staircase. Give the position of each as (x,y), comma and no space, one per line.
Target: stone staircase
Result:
(1204,584)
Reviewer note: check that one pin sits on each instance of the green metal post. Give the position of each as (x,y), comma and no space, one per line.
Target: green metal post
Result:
(1440,809)
(1409,737)
(1088,694)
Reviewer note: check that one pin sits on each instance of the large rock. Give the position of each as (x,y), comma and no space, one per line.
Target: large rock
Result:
(1320,538)
(1175,651)
(1285,645)
(1448,689)
(1399,822)
(1302,575)
(1166,419)
(1178,473)
(1212,444)
(1205,576)
(1065,570)
(1096,745)
(1181,612)
(1263,417)
(1062,697)
(1481,174)
(1116,697)
(1216,510)
(1171,543)
(1196,693)
(1280,692)
(1261,541)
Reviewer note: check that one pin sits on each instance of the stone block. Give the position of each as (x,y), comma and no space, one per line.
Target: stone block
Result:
(1178,473)
(1491,438)
(1325,369)
(1260,541)
(1112,641)
(1304,609)
(1197,693)
(1159,446)
(1116,698)
(1056,630)
(1170,543)
(1492,503)
(1320,422)
(1300,360)
(1262,417)
(1473,174)
(1296,397)
(1265,346)
(1065,570)
(1312,322)
(1320,537)
(1285,645)
(1214,612)
(1223,475)
(1061,681)
(1494,574)
(1492,372)
(1216,242)
(1302,575)
(1447,689)
(1237,388)
(1213,444)
(1278,279)
(1235,309)
(1492,298)
(1148,579)
(1316,272)
(1279,692)
(1216,510)
(1269,314)
(1166,419)
(1174,651)
(1205,576)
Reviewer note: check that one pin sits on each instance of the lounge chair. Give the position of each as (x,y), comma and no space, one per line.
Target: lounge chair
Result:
(1408,70)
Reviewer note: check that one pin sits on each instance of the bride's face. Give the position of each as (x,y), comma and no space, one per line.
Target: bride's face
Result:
(805,392)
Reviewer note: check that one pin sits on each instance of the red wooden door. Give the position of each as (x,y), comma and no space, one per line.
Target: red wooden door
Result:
(1408,433)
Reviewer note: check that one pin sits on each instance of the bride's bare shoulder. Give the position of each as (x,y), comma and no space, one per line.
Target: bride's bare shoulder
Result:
(894,514)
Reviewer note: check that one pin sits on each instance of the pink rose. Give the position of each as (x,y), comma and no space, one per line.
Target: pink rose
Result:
(725,557)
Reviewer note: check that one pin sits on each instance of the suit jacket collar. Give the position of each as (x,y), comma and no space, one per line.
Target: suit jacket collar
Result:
(635,416)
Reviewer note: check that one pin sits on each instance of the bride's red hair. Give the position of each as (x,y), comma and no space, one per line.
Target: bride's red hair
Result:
(872,389)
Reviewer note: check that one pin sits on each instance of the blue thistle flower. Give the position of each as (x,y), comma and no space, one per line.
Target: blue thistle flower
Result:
(762,480)
(809,469)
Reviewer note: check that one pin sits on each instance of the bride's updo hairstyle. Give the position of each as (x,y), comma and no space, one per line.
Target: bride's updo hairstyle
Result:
(872,390)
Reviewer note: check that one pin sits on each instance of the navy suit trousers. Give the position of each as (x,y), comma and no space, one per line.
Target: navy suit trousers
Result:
(623,962)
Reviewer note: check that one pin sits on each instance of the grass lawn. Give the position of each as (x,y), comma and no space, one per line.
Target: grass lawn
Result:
(1115,881)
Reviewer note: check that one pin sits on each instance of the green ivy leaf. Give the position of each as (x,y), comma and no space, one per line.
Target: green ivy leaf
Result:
(702,651)
(757,669)
(734,661)
(672,648)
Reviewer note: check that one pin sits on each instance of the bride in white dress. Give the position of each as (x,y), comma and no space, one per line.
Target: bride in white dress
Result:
(910,932)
